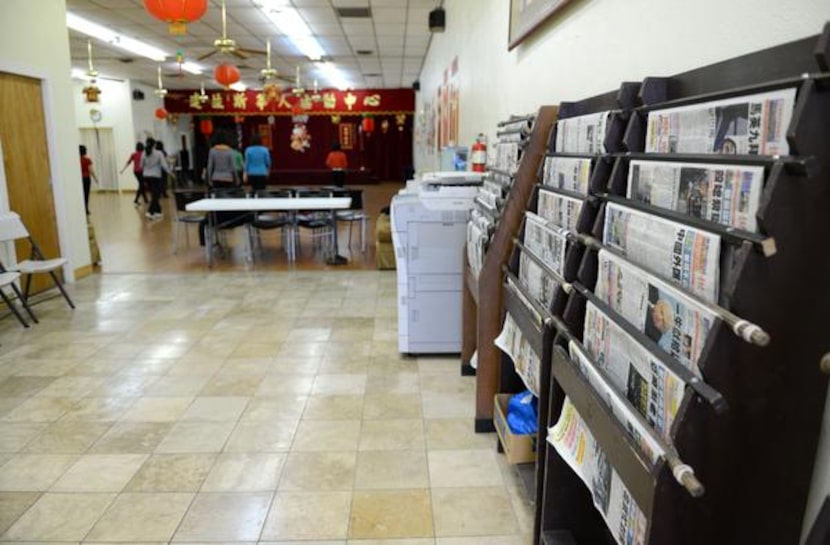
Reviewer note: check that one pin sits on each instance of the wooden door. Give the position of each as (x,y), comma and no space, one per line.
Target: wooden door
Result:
(26,163)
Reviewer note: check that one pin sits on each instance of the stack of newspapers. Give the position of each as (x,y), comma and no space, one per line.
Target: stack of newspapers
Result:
(503,163)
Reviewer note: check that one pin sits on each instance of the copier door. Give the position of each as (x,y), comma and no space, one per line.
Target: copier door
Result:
(435,248)
(434,322)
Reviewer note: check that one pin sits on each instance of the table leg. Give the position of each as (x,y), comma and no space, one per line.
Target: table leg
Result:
(336,258)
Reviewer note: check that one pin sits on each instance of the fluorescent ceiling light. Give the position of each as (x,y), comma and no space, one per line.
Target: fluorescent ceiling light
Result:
(77,73)
(333,75)
(238,86)
(192,68)
(290,23)
(113,38)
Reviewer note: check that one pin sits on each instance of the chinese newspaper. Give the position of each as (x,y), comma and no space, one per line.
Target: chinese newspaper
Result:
(567,173)
(726,194)
(507,156)
(667,316)
(653,389)
(583,134)
(536,280)
(574,442)
(546,243)
(525,360)
(681,254)
(749,125)
(562,211)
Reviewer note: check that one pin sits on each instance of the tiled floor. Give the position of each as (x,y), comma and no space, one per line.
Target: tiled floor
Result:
(241,407)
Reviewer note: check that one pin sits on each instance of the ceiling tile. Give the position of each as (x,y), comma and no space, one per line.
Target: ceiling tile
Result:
(389,15)
(390,29)
(319,15)
(326,29)
(350,3)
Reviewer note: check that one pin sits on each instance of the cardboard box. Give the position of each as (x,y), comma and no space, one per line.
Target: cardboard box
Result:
(519,449)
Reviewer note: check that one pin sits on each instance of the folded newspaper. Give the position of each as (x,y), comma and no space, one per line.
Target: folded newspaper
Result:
(562,211)
(512,342)
(666,315)
(651,387)
(567,173)
(546,242)
(681,254)
(575,443)
(536,280)
(726,194)
(507,156)
(748,125)
(582,134)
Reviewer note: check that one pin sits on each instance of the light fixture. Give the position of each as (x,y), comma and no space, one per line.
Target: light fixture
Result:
(111,37)
(161,92)
(238,86)
(333,75)
(290,23)
(192,68)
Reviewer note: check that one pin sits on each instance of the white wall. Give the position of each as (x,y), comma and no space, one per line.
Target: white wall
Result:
(116,114)
(595,46)
(34,42)
(144,116)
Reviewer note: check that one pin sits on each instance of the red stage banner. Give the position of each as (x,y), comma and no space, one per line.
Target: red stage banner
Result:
(325,102)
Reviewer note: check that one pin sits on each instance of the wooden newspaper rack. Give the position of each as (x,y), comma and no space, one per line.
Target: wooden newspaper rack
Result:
(748,430)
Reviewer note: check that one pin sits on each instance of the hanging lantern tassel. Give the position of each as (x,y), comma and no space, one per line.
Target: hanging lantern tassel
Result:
(176,13)
(161,113)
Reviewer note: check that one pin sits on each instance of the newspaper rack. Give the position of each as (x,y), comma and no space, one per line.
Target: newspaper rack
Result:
(751,431)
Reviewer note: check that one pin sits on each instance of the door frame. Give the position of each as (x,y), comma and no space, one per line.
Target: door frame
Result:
(58,188)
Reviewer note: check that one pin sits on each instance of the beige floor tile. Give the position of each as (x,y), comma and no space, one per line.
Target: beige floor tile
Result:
(302,349)
(344,366)
(391,406)
(267,409)
(289,517)
(157,409)
(215,409)
(338,435)
(348,349)
(244,472)
(464,468)
(392,435)
(279,385)
(177,386)
(24,386)
(14,504)
(314,335)
(392,364)
(458,512)
(131,437)
(337,407)
(67,437)
(225,517)
(8,404)
(33,472)
(305,542)
(284,365)
(15,435)
(125,385)
(172,473)
(523,508)
(141,517)
(232,385)
(390,514)
(59,517)
(456,433)
(447,383)
(393,383)
(40,409)
(72,387)
(273,436)
(196,437)
(100,473)
(492,540)
(307,471)
(256,350)
(448,405)
(379,469)
(254,366)
(346,384)
(415,541)
(196,366)
(98,409)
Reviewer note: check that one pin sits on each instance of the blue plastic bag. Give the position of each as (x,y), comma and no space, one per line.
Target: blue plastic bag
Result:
(523,414)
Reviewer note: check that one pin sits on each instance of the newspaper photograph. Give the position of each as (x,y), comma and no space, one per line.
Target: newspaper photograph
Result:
(536,280)
(575,443)
(725,194)
(544,242)
(681,254)
(558,209)
(749,125)
(518,349)
(675,322)
(582,134)
(567,173)
(651,387)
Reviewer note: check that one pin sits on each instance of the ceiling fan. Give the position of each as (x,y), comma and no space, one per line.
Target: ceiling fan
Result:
(227,45)
(270,75)
(92,74)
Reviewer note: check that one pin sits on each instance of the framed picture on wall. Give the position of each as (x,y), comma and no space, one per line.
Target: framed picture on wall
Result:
(527,15)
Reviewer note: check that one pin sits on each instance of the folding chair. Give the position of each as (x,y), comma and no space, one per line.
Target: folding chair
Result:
(183,217)
(355,213)
(266,221)
(317,222)
(9,279)
(11,229)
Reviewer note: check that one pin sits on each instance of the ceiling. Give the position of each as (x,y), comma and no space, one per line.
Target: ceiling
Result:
(396,34)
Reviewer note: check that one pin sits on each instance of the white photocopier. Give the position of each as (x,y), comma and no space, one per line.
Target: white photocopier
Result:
(429,229)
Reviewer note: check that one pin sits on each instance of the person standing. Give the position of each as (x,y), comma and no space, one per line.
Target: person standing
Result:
(338,163)
(257,163)
(135,159)
(87,174)
(221,165)
(153,167)
(164,180)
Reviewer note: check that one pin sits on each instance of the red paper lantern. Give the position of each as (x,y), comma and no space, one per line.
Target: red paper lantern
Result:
(206,126)
(368,124)
(226,74)
(177,13)
(161,113)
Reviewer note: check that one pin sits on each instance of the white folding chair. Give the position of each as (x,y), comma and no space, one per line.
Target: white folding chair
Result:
(11,229)
(9,279)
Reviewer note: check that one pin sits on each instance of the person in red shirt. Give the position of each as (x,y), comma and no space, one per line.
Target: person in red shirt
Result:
(87,174)
(338,163)
(135,159)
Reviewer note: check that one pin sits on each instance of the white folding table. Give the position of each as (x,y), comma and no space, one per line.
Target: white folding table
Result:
(271,204)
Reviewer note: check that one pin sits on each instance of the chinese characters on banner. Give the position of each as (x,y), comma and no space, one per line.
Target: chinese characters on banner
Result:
(346,132)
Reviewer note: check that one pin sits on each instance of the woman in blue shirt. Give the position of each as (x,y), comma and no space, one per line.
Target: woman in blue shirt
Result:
(257,163)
